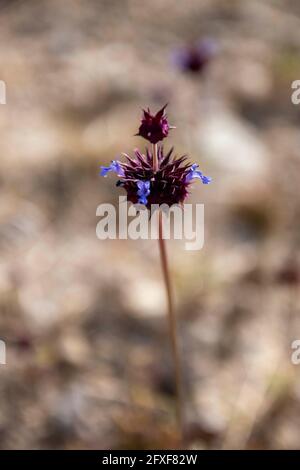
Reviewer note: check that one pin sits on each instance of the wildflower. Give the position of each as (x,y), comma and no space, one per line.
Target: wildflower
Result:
(115,166)
(155,177)
(194,59)
(154,127)
(159,178)
(168,185)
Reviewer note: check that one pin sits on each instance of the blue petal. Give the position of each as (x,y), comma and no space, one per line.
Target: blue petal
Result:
(115,166)
(143,185)
(104,170)
(142,200)
(206,179)
(197,174)
(143,191)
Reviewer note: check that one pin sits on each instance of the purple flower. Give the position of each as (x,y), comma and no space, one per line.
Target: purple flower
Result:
(194,58)
(154,127)
(155,177)
(194,173)
(115,166)
(143,191)
(167,185)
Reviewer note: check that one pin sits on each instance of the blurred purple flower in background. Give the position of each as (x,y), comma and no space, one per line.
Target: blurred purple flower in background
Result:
(194,58)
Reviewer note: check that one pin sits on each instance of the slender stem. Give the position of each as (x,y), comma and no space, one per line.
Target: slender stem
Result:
(172,329)
(155,157)
(171,313)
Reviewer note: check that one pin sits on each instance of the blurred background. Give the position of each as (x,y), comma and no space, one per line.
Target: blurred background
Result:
(84,320)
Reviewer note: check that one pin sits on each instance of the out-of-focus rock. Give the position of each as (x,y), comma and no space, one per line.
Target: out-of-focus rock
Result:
(234,147)
(146,297)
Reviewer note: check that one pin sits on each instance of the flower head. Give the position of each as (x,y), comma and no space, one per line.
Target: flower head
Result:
(155,177)
(194,58)
(154,127)
(167,185)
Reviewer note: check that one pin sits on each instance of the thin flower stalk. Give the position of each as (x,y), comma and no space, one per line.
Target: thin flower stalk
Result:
(159,177)
(172,324)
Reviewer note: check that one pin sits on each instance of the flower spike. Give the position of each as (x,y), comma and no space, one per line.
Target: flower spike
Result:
(168,185)
(155,177)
